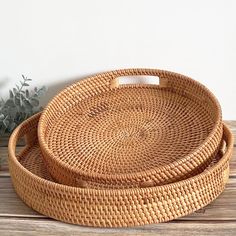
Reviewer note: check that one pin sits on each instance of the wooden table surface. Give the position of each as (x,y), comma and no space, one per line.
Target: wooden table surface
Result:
(218,218)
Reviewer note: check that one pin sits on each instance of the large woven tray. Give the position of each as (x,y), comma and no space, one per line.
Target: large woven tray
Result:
(110,207)
(97,133)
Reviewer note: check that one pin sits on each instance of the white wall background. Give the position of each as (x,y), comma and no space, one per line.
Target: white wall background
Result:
(56,42)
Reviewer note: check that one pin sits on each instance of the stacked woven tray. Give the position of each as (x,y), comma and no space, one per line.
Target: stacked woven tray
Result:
(112,155)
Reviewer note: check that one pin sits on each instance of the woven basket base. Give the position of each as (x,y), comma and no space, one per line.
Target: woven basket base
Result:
(110,208)
(129,130)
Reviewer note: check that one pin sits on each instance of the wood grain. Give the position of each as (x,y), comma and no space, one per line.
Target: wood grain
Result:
(232,125)
(5,138)
(3,160)
(18,226)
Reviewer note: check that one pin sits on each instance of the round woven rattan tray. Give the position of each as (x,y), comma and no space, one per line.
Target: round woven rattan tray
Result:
(100,134)
(110,207)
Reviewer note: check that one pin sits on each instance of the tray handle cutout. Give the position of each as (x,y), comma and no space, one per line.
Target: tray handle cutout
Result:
(138,80)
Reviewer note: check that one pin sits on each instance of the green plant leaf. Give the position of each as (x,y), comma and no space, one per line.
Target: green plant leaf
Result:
(27,93)
(22,108)
(11,94)
(42,90)
(25,84)
(12,112)
(12,126)
(22,96)
(2,117)
(15,90)
(27,104)
(17,101)
(6,123)
(34,102)
(17,95)
(2,102)
(10,103)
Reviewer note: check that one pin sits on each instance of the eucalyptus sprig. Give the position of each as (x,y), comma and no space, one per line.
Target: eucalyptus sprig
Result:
(21,104)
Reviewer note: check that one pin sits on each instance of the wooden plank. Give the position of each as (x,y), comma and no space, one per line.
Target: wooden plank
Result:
(232,164)
(5,138)
(16,226)
(3,159)
(223,208)
(231,124)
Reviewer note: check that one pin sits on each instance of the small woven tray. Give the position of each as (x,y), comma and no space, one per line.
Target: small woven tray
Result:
(110,207)
(97,133)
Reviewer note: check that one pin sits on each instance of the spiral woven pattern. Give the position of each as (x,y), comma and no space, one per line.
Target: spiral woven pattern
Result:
(110,207)
(99,134)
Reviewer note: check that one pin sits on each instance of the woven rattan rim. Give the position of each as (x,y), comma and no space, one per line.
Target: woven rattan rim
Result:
(112,207)
(192,163)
